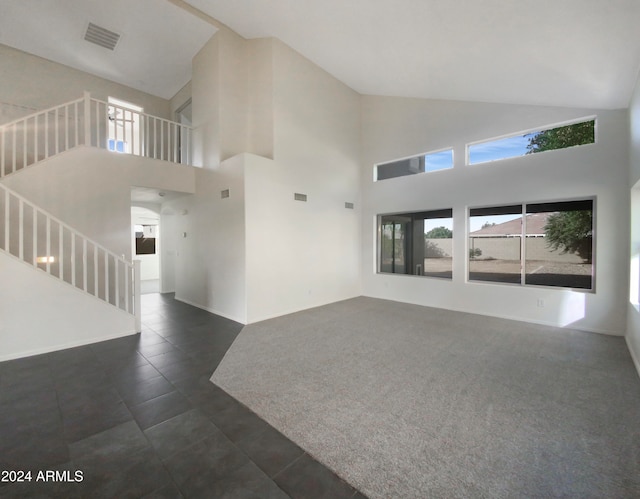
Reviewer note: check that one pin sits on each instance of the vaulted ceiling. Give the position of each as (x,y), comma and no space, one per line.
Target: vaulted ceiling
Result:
(154,52)
(578,53)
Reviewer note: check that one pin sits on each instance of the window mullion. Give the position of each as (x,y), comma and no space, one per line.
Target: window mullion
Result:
(523,247)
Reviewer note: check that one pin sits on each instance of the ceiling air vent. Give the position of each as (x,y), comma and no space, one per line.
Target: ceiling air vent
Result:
(101,36)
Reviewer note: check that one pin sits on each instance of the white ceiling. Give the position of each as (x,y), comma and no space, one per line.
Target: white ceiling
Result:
(578,53)
(158,39)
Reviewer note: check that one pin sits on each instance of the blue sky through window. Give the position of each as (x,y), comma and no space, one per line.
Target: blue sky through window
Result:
(509,147)
(432,223)
(476,223)
(438,161)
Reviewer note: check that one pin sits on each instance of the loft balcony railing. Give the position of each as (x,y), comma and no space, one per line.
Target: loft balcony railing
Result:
(91,122)
(44,242)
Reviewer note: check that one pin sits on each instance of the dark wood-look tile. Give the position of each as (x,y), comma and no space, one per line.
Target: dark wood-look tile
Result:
(169,491)
(238,423)
(156,348)
(85,414)
(121,361)
(270,450)
(199,388)
(32,448)
(135,373)
(180,432)
(138,392)
(130,475)
(187,368)
(160,409)
(170,356)
(140,417)
(197,468)
(111,444)
(247,482)
(306,477)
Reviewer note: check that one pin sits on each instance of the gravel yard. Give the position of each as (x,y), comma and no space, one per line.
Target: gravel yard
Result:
(572,275)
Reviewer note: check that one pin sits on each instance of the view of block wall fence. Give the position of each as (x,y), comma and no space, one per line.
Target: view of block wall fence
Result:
(502,248)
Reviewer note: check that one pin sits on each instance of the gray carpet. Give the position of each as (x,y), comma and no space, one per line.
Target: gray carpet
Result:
(406,401)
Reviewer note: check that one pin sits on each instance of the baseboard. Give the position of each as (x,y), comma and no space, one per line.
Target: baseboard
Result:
(634,357)
(551,324)
(289,312)
(210,310)
(499,316)
(64,346)
(511,318)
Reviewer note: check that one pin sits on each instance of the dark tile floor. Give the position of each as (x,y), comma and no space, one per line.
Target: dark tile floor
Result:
(138,417)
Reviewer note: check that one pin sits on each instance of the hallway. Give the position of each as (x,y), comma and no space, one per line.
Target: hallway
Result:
(138,416)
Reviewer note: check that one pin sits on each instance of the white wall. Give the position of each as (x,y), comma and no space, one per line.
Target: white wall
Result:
(396,128)
(633,316)
(298,255)
(304,254)
(634,133)
(39,313)
(219,92)
(261,117)
(210,260)
(233,84)
(205,102)
(29,83)
(90,189)
(149,265)
(170,241)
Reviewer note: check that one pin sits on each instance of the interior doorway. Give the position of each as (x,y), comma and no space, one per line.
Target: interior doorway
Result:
(146,247)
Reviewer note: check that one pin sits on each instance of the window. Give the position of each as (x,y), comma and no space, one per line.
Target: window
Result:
(495,244)
(543,244)
(430,162)
(559,244)
(124,127)
(116,145)
(416,243)
(575,134)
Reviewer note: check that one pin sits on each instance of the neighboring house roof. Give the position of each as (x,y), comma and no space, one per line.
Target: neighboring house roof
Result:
(535,227)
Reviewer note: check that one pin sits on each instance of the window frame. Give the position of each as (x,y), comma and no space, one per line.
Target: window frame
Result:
(538,129)
(523,242)
(415,156)
(412,216)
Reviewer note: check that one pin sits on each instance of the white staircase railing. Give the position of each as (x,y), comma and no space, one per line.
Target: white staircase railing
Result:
(40,135)
(46,243)
(121,129)
(91,122)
